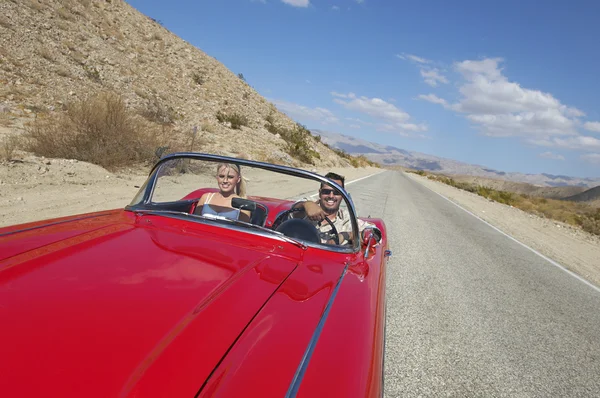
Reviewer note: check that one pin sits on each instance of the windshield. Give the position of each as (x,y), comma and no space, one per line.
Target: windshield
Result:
(305,207)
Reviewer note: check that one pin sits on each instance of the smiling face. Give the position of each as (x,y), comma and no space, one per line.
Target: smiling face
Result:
(227,178)
(329,198)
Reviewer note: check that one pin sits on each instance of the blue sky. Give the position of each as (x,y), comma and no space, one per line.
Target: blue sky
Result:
(510,85)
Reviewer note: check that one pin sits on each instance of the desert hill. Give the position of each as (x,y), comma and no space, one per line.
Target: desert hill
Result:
(57,52)
(591,196)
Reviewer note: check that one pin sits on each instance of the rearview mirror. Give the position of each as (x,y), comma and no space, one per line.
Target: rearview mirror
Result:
(243,204)
(369,238)
(371,233)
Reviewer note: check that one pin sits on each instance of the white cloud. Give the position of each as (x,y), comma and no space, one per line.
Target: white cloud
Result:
(592,126)
(502,108)
(335,8)
(551,155)
(375,107)
(297,3)
(414,58)
(434,99)
(580,142)
(340,95)
(433,76)
(354,126)
(294,111)
(389,117)
(356,120)
(591,158)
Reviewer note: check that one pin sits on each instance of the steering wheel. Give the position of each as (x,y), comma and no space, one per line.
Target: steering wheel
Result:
(286,213)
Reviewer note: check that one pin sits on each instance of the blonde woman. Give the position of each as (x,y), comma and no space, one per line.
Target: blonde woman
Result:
(231,184)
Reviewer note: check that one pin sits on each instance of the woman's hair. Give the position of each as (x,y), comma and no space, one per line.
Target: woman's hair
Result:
(240,187)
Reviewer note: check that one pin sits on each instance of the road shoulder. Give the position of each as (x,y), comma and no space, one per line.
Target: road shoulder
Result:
(572,248)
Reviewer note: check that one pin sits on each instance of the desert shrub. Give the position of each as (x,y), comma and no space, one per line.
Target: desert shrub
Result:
(99,130)
(297,141)
(270,119)
(8,147)
(198,78)
(236,120)
(158,112)
(92,73)
(47,54)
(211,128)
(591,222)
(572,213)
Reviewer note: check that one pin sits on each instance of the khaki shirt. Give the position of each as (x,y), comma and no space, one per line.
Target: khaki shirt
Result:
(342,223)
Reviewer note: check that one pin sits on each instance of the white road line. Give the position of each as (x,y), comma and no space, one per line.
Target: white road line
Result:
(519,242)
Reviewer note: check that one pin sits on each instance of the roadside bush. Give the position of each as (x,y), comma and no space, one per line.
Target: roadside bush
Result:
(572,213)
(297,142)
(9,145)
(236,120)
(159,113)
(99,130)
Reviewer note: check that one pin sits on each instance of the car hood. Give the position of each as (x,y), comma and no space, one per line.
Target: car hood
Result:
(97,306)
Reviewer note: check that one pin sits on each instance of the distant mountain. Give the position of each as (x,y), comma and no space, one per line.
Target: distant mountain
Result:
(392,156)
(591,195)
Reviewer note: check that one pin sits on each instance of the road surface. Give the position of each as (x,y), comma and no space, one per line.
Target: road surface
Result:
(470,311)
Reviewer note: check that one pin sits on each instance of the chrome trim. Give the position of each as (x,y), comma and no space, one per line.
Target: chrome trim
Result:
(299,375)
(251,163)
(367,249)
(56,223)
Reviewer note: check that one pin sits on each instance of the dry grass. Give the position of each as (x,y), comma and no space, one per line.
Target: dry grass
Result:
(5,23)
(34,5)
(47,54)
(5,119)
(99,130)
(235,119)
(64,72)
(577,214)
(66,14)
(210,128)
(8,147)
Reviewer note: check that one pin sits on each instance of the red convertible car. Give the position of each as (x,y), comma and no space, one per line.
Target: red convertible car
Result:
(212,282)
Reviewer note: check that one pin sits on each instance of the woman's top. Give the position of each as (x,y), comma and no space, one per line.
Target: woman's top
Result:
(219,210)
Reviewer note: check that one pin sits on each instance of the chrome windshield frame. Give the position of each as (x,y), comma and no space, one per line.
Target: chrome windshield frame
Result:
(149,185)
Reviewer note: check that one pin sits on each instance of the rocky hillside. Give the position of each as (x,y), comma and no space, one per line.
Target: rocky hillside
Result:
(591,196)
(55,52)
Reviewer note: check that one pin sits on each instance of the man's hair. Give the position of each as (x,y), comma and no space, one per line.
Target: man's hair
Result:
(336,177)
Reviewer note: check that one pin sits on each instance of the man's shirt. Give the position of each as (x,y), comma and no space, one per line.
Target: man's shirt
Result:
(342,223)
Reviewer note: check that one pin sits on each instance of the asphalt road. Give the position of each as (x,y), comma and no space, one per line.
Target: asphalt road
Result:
(471,312)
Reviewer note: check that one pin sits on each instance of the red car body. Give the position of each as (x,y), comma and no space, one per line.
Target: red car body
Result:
(126,304)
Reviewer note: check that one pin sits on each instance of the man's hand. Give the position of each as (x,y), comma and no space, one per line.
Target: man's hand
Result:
(314,212)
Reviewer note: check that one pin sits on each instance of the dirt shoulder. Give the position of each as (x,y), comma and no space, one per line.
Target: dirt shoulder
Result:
(35,188)
(571,247)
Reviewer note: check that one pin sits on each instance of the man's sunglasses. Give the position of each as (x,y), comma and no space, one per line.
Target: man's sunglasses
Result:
(325,191)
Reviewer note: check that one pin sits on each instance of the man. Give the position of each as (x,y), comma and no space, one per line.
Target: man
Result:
(328,205)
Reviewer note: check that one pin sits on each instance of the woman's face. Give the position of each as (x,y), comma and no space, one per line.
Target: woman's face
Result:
(227,178)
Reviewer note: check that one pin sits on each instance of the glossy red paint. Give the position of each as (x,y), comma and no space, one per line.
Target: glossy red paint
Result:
(350,349)
(146,307)
(348,358)
(118,304)
(265,358)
